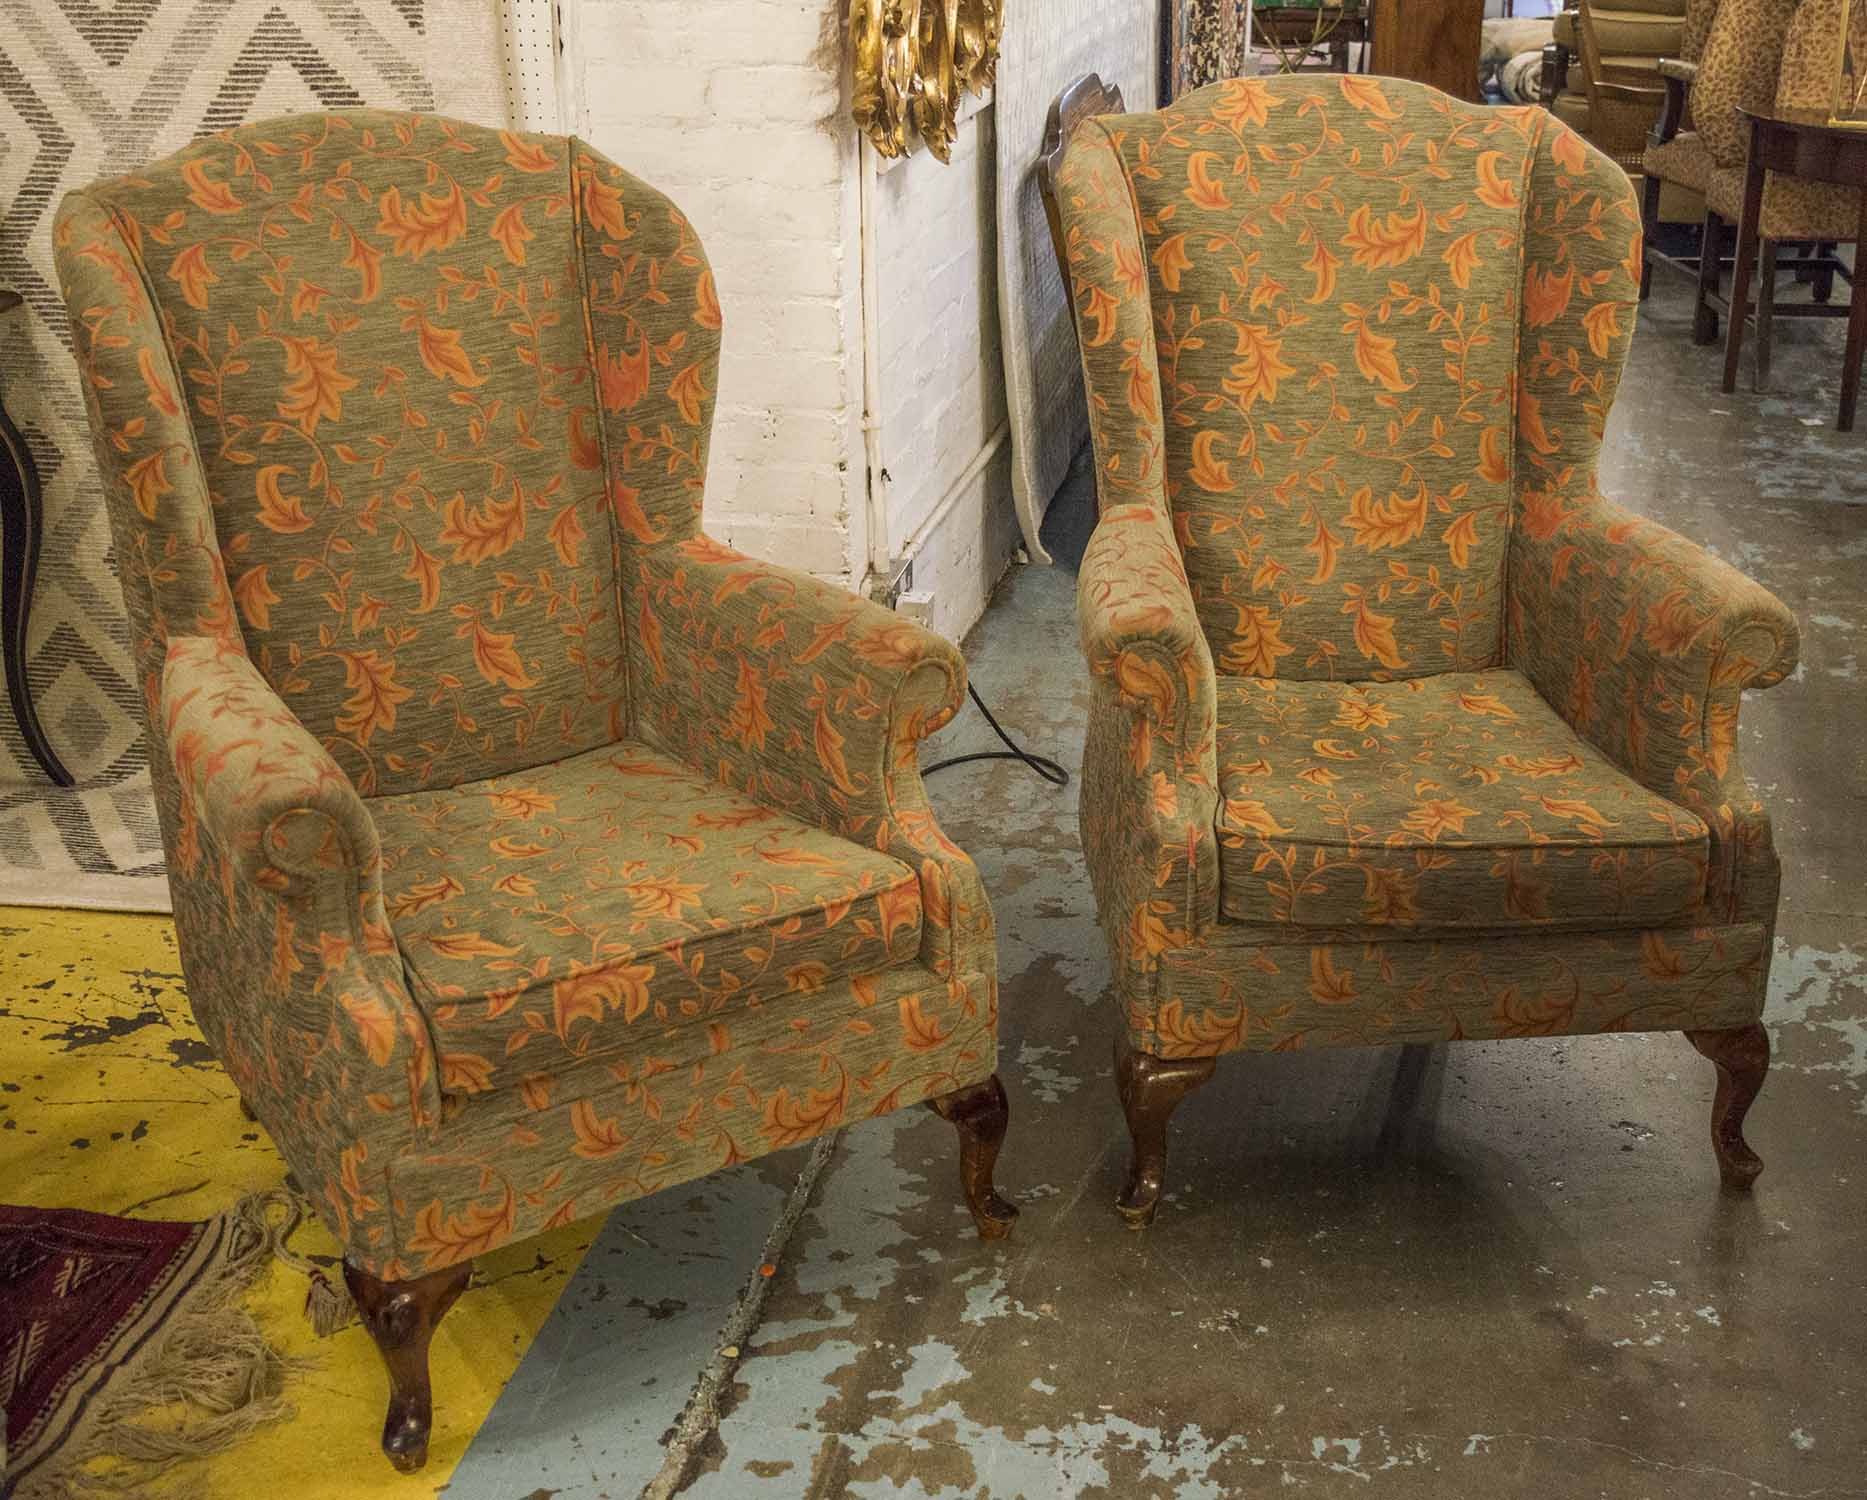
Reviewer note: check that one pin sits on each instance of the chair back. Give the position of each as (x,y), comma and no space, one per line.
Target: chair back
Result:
(417,387)
(1738,70)
(1345,328)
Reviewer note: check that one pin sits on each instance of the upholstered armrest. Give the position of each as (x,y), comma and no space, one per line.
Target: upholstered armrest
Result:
(302,939)
(1677,75)
(269,794)
(1645,642)
(1676,68)
(1150,772)
(1134,609)
(810,699)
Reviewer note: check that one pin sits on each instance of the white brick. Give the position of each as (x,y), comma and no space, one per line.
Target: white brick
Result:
(785,91)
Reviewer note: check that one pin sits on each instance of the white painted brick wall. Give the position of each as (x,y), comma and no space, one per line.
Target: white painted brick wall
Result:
(738,110)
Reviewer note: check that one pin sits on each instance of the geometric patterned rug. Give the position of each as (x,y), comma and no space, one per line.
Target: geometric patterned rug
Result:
(94,87)
(102,1319)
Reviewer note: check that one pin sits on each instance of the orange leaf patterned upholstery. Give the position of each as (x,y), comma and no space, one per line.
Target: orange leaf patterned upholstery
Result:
(605,901)
(1449,802)
(1399,729)
(530,850)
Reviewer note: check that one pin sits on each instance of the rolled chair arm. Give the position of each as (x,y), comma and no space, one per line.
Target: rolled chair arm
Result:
(270,796)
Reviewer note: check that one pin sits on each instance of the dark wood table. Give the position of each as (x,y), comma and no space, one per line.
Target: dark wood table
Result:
(1799,144)
(21,518)
(1307,28)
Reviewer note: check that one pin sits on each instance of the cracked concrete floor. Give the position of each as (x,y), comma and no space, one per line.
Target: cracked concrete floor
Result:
(1474,1270)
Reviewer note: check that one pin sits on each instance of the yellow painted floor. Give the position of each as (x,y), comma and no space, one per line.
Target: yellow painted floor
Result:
(110,1101)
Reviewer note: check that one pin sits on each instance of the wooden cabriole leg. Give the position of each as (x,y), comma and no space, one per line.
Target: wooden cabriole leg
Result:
(980,1114)
(401,1316)
(1151,1088)
(1742,1056)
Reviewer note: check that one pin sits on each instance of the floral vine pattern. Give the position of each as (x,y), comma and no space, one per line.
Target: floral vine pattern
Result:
(1400,730)
(530,850)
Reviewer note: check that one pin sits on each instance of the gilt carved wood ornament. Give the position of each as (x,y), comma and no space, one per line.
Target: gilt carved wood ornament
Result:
(911,59)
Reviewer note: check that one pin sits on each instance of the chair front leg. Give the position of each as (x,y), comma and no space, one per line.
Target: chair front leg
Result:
(400,1316)
(1710,254)
(1742,1057)
(1151,1088)
(980,1113)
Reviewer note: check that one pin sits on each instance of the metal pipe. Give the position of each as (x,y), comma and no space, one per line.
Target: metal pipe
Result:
(951,498)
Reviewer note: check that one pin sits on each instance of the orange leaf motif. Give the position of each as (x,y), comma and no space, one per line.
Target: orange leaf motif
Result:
(1255,375)
(442,354)
(278,511)
(316,394)
(1393,241)
(1102,310)
(1256,643)
(687,390)
(527,155)
(215,197)
(421,228)
(1211,474)
(1546,295)
(492,531)
(586,993)
(374,1025)
(191,272)
(255,596)
(1387,523)
(445,1239)
(160,396)
(1374,633)
(1461,256)
(1603,322)
(1365,93)
(748,722)
(1170,259)
(149,482)
(596,1138)
(374,694)
(1327,984)
(707,303)
(1374,357)
(1205,190)
(1492,188)
(920,1031)
(602,206)
(498,661)
(623,378)
(512,232)
(1245,101)
(1460,537)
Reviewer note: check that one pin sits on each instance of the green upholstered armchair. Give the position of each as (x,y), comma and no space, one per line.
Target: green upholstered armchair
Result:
(1401,731)
(530,851)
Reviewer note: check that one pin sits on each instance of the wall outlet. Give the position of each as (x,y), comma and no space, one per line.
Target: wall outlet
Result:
(918,607)
(887,592)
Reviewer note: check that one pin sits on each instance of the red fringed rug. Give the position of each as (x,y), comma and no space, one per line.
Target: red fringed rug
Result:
(103,1320)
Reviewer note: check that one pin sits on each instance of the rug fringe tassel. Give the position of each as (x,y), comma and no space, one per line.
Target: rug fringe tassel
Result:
(327,1303)
(210,1361)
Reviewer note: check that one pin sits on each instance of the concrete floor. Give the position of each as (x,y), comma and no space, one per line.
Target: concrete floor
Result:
(1479,1270)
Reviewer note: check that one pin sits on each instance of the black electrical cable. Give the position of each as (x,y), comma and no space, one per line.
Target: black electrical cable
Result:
(1043,765)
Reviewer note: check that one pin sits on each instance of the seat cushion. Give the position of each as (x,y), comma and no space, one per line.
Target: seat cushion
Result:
(1460,801)
(1794,208)
(601,902)
(1683,160)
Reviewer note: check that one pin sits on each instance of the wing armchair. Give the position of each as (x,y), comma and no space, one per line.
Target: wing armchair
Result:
(530,851)
(1400,730)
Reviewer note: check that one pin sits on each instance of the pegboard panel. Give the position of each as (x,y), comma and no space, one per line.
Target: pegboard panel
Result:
(530,32)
